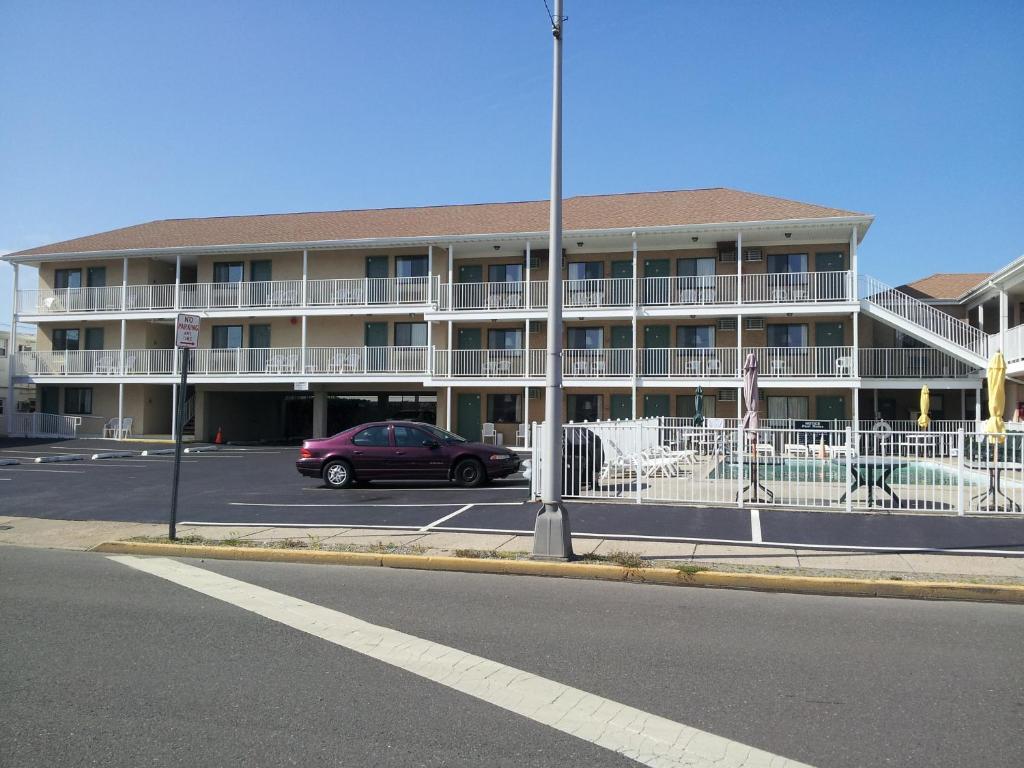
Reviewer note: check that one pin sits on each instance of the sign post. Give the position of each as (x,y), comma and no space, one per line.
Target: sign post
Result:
(186,338)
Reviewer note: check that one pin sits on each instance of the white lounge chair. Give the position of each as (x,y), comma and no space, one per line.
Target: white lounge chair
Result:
(795,450)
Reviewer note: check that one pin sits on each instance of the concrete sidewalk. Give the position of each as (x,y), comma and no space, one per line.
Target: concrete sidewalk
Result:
(84,535)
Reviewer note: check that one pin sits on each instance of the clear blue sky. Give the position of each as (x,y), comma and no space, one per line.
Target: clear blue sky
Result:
(114,113)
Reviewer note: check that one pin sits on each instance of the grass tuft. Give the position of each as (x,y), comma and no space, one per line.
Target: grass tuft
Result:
(689,568)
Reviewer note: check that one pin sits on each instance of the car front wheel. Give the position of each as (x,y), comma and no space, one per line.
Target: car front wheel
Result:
(338,474)
(469,473)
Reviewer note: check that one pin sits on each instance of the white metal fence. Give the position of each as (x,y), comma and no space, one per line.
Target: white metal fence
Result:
(841,470)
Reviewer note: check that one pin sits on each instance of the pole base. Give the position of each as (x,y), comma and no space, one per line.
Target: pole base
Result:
(552,539)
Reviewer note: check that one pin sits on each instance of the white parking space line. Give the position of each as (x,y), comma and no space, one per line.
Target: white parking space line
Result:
(214,523)
(374,505)
(755,526)
(640,736)
(38,469)
(446,517)
(420,490)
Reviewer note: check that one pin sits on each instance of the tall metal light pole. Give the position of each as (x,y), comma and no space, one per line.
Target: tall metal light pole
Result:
(551,535)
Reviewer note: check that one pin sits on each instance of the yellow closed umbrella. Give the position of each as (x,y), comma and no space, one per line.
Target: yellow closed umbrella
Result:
(926,402)
(996,398)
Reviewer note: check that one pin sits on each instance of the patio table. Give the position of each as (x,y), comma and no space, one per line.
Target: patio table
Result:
(872,471)
(988,500)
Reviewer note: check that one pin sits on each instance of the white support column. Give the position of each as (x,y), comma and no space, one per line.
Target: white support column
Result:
(526,346)
(120,408)
(1004,319)
(981,316)
(526,417)
(739,345)
(853,262)
(174,408)
(177,286)
(856,408)
(319,413)
(451,267)
(637,354)
(977,403)
(121,371)
(430,274)
(124,283)
(739,403)
(448,408)
(855,362)
(121,362)
(529,299)
(302,352)
(739,267)
(305,280)
(12,348)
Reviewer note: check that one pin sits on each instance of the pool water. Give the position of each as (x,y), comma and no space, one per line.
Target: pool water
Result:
(834,471)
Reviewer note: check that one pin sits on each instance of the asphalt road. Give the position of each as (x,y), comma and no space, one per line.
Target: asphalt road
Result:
(259,486)
(106,665)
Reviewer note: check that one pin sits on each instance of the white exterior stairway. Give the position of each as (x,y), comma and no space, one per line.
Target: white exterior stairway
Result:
(923,321)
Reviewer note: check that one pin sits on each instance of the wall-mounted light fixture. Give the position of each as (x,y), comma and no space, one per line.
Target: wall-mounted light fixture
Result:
(497,247)
(789,235)
(695,238)
(579,243)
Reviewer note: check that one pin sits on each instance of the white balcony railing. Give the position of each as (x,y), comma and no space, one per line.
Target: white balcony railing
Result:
(804,362)
(597,363)
(797,287)
(610,293)
(899,363)
(283,361)
(689,362)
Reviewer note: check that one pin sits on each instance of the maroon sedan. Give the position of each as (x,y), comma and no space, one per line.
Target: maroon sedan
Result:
(402,450)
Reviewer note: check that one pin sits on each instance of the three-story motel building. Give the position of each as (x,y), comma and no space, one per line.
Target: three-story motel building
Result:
(312,322)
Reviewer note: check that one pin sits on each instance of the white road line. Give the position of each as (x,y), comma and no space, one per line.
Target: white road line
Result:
(640,736)
(446,517)
(420,490)
(299,525)
(755,526)
(374,505)
(40,469)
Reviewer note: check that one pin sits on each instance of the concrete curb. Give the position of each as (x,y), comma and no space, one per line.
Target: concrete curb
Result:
(202,449)
(8,462)
(112,455)
(60,457)
(811,585)
(157,452)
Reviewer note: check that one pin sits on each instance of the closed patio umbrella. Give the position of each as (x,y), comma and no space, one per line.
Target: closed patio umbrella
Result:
(751,421)
(926,401)
(698,407)
(996,376)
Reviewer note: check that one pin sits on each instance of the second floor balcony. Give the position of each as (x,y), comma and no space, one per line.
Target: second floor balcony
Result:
(427,294)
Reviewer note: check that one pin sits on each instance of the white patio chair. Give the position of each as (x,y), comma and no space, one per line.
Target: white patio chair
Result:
(778,367)
(488,432)
(112,427)
(693,367)
(795,450)
(844,366)
(766,449)
(105,364)
(126,427)
(521,432)
(714,367)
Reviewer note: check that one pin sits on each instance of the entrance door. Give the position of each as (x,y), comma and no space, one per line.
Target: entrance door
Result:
(469,363)
(656,288)
(471,273)
(828,334)
(375,339)
(656,343)
(831,407)
(467,416)
(830,287)
(828,262)
(655,405)
(620,293)
(622,407)
(49,400)
(377,272)
(618,363)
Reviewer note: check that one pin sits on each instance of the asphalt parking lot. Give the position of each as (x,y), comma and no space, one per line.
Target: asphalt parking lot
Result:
(259,486)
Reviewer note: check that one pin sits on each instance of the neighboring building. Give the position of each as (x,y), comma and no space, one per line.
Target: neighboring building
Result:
(316,321)
(24,390)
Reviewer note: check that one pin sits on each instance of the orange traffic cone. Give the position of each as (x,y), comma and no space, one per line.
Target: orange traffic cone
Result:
(219,439)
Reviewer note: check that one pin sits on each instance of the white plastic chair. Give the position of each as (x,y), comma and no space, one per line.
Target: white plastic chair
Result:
(488,431)
(111,428)
(126,428)
(521,432)
(844,366)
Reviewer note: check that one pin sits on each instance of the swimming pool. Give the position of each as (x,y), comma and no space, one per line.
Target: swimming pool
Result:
(835,471)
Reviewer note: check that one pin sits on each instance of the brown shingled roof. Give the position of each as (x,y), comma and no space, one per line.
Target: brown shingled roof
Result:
(641,209)
(944,285)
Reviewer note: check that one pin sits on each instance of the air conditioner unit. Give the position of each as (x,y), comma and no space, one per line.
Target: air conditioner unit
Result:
(754,324)
(535,393)
(535,262)
(726,250)
(727,323)
(727,255)
(753,254)
(727,395)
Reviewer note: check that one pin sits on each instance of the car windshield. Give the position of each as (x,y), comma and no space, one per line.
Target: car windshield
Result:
(441,434)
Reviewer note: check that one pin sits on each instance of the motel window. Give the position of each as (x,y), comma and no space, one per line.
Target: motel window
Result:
(695,267)
(505,273)
(786,407)
(503,409)
(78,400)
(505,338)
(228,271)
(584,407)
(787,262)
(227,337)
(67,278)
(96,277)
(410,334)
(586,270)
(585,338)
(411,266)
(65,339)
(686,406)
(792,335)
(701,336)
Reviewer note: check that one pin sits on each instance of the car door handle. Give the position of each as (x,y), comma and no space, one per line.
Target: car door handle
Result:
(357,453)
(399,453)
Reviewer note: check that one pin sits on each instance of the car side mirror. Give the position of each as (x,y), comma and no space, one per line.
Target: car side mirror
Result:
(431,444)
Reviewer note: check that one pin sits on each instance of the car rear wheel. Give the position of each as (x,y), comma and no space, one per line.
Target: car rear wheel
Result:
(338,474)
(469,473)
